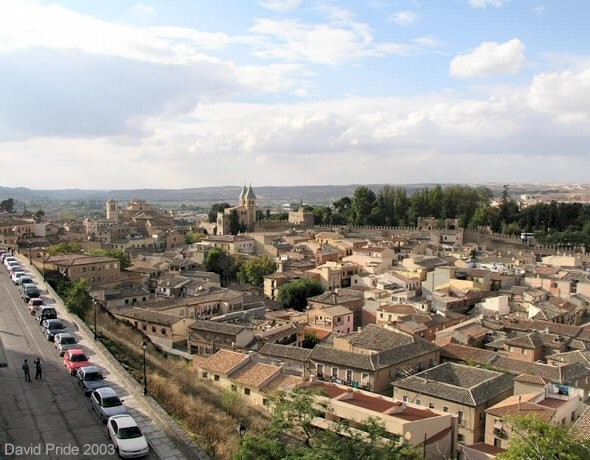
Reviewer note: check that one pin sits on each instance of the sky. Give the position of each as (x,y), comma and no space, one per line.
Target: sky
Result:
(113,94)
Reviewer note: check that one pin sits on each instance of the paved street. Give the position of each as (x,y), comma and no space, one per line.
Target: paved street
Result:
(49,419)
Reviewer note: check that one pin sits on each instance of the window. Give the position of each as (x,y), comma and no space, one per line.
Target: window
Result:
(319,370)
(234,388)
(445,409)
(348,375)
(247,391)
(461,438)
(163,331)
(204,375)
(153,328)
(335,372)
(497,442)
(418,402)
(264,402)
(430,406)
(573,417)
(216,378)
(460,415)
(404,398)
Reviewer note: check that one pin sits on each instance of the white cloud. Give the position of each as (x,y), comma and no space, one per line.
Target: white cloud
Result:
(566,95)
(279,5)
(320,43)
(490,58)
(486,3)
(404,18)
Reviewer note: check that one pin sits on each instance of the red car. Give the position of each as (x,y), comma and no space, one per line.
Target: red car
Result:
(75,359)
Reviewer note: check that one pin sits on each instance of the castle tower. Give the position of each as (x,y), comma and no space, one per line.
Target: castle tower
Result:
(242,201)
(250,203)
(112,210)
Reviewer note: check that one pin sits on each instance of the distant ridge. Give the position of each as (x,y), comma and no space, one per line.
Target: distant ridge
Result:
(266,194)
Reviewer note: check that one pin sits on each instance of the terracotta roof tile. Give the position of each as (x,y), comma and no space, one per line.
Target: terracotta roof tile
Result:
(224,361)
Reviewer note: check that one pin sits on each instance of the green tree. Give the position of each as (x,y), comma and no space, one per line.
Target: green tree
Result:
(363,203)
(193,237)
(254,270)
(39,215)
(310,340)
(7,205)
(77,298)
(234,223)
(215,208)
(64,248)
(295,294)
(534,438)
(219,261)
(293,435)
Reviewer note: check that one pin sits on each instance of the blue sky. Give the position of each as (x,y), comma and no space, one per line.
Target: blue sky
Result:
(172,94)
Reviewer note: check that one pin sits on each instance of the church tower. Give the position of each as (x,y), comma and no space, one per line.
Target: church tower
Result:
(250,204)
(242,201)
(112,210)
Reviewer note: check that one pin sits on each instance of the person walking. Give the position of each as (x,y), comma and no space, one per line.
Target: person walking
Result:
(27,371)
(38,369)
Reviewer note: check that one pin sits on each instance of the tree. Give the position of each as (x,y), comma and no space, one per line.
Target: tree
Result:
(363,203)
(254,270)
(7,205)
(78,300)
(215,208)
(64,248)
(295,293)
(293,435)
(39,215)
(310,340)
(534,438)
(220,262)
(193,237)
(234,223)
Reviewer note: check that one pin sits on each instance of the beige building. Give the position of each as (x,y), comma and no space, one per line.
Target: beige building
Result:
(431,432)
(232,244)
(208,337)
(465,391)
(95,269)
(552,404)
(161,328)
(333,275)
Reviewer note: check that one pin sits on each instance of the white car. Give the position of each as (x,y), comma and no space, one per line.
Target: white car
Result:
(16,275)
(127,437)
(106,403)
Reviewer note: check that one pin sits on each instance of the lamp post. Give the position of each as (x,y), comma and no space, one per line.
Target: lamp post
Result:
(144,346)
(30,258)
(95,302)
(44,260)
(241,430)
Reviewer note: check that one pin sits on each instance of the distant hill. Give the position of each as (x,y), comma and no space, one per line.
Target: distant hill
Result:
(207,195)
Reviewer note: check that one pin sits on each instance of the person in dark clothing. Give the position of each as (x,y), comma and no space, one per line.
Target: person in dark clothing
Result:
(38,369)
(27,371)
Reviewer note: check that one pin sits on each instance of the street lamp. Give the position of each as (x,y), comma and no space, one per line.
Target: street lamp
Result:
(144,346)
(95,302)
(44,260)
(30,258)
(241,430)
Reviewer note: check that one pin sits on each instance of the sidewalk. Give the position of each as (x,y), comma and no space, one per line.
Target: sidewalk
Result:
(165,437)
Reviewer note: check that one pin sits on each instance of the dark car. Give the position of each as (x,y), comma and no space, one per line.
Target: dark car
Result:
(30,291)
(90,378)
(51,327)
(45,312)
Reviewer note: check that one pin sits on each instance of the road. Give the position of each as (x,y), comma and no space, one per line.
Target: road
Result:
(47,419)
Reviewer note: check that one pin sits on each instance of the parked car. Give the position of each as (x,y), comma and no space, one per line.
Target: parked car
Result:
(14,267)
(74,359)
(64,341)
(105,402)
(52,327)
(10,259)
(35,304)
(30,291)
(24,279)
(16,275)
(90,378)
(45,312)
(127,437)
